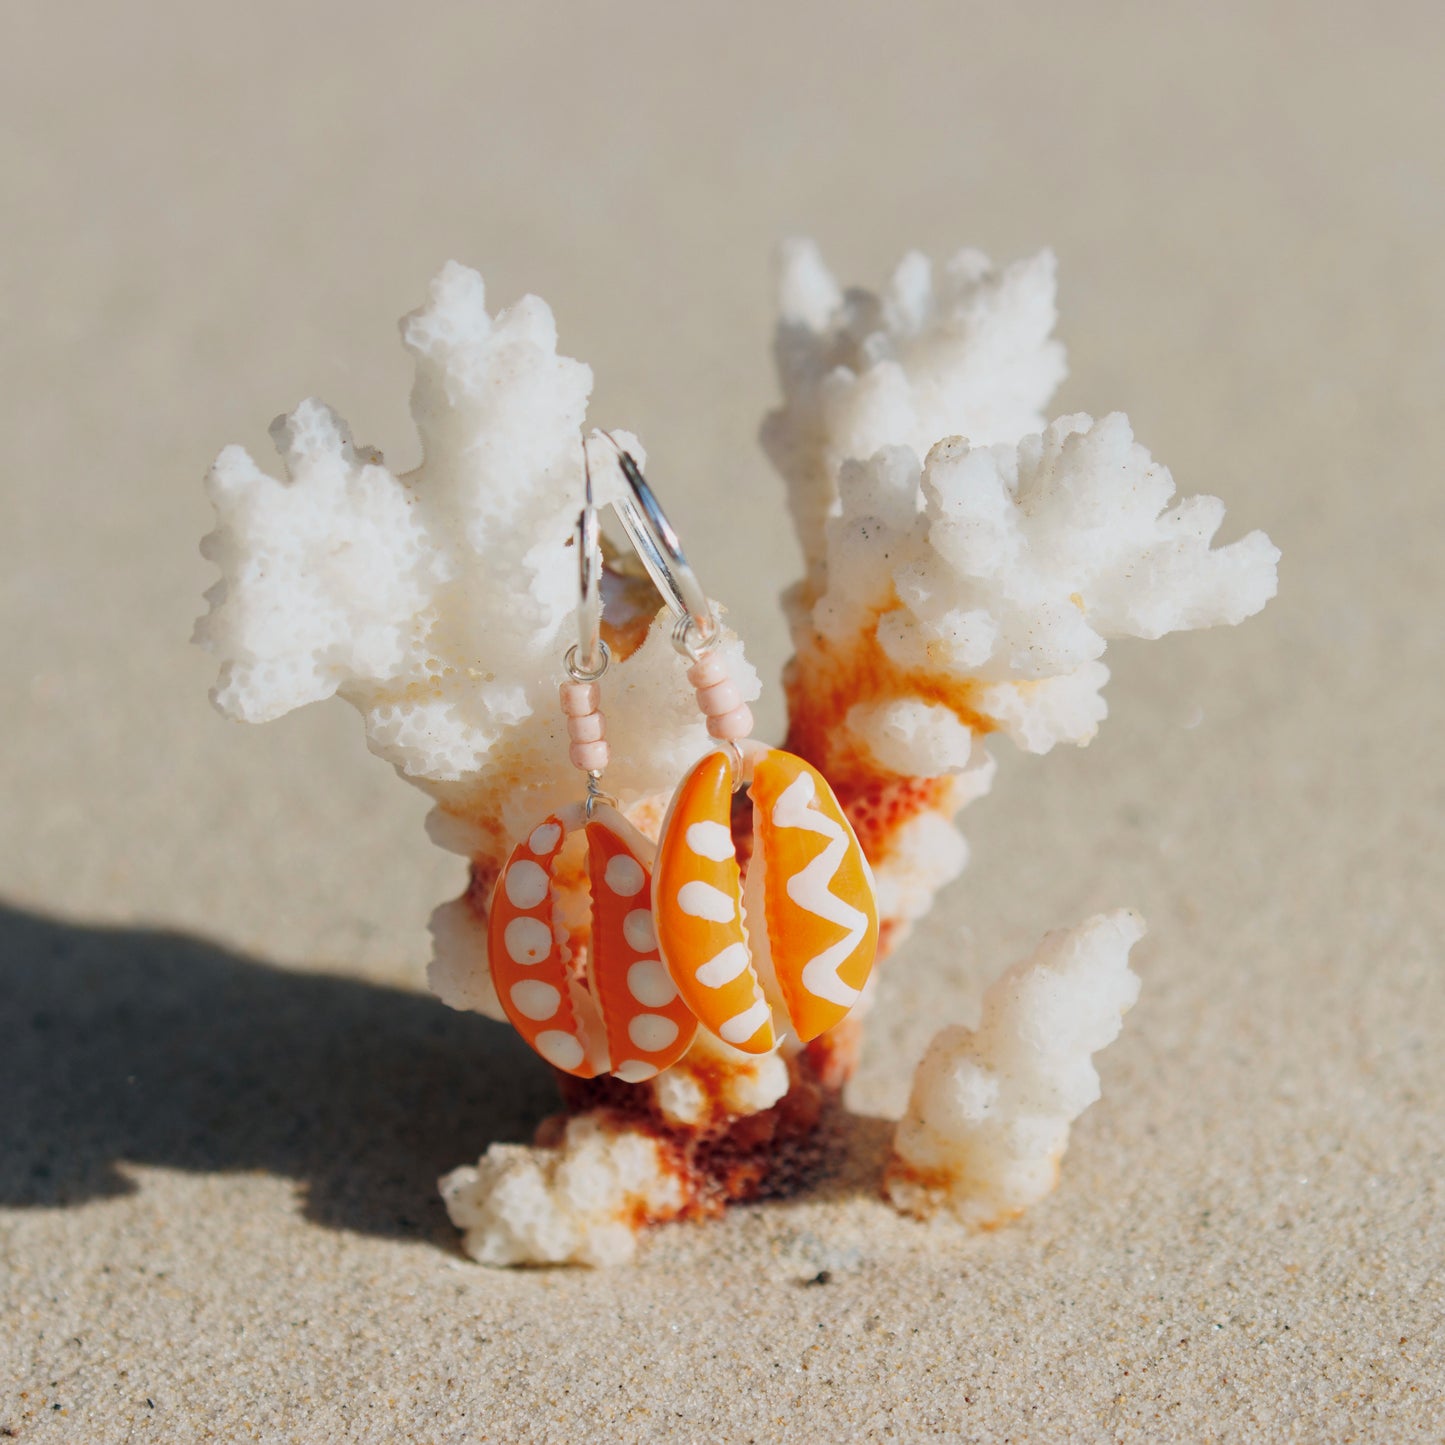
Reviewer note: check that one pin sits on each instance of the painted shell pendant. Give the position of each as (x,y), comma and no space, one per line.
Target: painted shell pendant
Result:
(803,945)
(619,1012)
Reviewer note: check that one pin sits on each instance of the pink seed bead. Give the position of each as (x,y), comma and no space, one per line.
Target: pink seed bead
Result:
(707,670)
(585,729)
(721,697)
(580,698)
(732,725)
(590,757)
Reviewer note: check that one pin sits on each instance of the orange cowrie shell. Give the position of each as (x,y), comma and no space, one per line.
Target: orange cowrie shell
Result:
(812,912)
(697,903)
(622,1015)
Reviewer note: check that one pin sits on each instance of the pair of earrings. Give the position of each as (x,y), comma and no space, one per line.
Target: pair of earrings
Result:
(678,941)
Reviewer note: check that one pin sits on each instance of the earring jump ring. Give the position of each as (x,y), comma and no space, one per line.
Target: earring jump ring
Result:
(593,658)
(657,544)
(694,648)
(577,672)
(596,798)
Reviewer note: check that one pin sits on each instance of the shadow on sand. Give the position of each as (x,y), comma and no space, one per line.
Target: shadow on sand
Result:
(156,1048)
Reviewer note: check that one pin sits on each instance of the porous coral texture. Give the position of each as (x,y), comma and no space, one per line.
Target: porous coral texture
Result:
(440,603)
(718,1127)
(989,1116)
(967,564)
(577,1203)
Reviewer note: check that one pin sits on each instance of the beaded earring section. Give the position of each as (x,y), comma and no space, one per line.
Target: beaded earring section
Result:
(795,953)
(615,1010)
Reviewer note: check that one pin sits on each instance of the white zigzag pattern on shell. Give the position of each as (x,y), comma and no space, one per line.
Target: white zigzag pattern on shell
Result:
(811,889)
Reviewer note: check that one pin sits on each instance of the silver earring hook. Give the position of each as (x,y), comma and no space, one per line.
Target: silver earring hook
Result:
(657,544)
(588,659)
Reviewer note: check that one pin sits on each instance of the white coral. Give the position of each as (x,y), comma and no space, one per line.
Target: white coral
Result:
(944,522)
(578,1203)
(322,575)
(967,352)
(712,1075)
(967,564)
(989,1116)
(1012,566)
(440,603)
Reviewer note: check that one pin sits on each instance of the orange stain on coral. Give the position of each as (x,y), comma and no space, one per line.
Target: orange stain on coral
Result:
(820,696)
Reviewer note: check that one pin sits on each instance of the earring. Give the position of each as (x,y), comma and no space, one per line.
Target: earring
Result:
(619,1012)
(811,932)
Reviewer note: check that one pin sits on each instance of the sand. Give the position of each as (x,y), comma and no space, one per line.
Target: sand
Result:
(227,1095)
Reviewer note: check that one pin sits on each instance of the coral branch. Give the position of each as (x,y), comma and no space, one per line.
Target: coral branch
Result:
(717,1128)
(989,1117)
(579,1202)
(967,353)
(967,565)
(440,603)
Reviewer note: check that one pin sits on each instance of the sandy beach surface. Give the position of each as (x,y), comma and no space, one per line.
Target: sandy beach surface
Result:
(227,1095)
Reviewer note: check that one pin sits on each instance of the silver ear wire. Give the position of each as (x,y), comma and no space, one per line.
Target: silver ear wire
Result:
(656,543)
(588,660)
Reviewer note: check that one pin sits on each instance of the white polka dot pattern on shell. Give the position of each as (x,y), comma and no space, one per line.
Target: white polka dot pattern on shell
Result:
(702,900)
(624,876)
(526,884)
(559,1048)
(651,1032)
(544,838)
(535,1000)
(710,840)
(651,984)
(634,1071)
(529,941)
(637,929)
